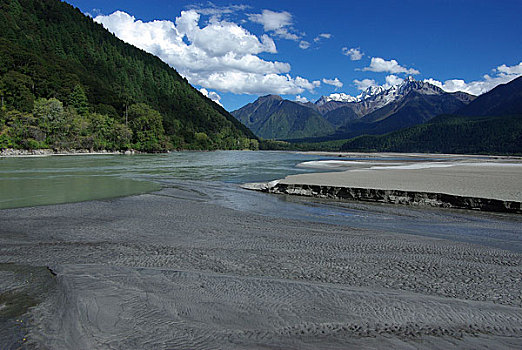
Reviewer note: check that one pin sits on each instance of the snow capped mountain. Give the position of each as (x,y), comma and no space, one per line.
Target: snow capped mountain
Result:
(377,110)
(341,97)
(382,95)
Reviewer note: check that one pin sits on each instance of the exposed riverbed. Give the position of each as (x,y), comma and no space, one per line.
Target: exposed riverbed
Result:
(204,264)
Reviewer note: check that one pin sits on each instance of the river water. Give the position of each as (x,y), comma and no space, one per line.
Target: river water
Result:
(215,177)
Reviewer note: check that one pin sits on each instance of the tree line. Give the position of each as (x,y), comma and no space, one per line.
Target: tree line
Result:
(50,50)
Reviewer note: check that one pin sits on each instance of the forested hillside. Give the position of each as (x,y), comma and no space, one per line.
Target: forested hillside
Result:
(97,91)
(472,131)
(449,134)
(271,117)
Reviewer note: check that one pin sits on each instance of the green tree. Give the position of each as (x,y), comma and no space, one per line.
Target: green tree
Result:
(78,100)
(147,128)
(15,88)
(50,114)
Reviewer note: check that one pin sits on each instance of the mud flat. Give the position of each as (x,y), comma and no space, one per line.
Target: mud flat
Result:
(170,270)
(488,186)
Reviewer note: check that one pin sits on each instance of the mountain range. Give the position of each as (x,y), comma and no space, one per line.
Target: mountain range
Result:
(492,123)
(377,110)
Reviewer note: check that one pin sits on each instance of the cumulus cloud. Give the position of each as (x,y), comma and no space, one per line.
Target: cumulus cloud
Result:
(278,23)
(256,84)
(334,82)
(301,99)
(355,54)
(378,64)
(272,20)
(220,56)
(392,80)
(322,36)
(303,44)
(214,96)
(513,70)
(364,84)
(503,74)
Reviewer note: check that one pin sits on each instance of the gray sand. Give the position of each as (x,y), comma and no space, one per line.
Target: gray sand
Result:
(170,270)
(482,180)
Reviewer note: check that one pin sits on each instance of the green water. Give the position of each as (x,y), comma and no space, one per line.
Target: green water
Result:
(52,180)
(32,181)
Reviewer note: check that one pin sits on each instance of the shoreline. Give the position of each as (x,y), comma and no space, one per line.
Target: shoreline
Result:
(44,152)
(410,155)
(375,195)
(486,186)
(228,279)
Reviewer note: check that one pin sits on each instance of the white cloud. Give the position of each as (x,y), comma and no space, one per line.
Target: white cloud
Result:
(334,82)
(392,80)
(303,44)
(220,56)
(220,38)
(378,64)
(305,84)
(504,74)
(364,84)
(322,36)
(301,99)
(217,11)
(355,54)
(272,20)
(277,23)
(513,70)
(214,96)
(256,84)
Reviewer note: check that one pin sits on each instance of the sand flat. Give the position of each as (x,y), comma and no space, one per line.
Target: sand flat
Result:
(493,180)
(171,271)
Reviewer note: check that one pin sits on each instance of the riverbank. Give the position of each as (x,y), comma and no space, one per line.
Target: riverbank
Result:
(11,152)
(492,185)
(171,270)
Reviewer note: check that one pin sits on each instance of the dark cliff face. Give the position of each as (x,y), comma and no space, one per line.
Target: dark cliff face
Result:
(397,197)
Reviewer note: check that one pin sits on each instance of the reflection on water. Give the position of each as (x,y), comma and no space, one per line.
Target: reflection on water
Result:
(213,177)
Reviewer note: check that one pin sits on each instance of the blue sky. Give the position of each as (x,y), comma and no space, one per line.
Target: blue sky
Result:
(238,50)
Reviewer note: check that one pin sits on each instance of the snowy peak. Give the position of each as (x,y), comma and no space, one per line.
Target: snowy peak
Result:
(384,93)
(341,97)
(410,84)
(370,92)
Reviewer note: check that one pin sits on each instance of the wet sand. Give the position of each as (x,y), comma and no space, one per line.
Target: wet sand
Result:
(171,270)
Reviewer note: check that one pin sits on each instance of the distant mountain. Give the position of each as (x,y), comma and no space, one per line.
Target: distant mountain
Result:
(377,110)
(272,117)
(496,127)
(49,49)
(503,100)
(413,106)
(340,117)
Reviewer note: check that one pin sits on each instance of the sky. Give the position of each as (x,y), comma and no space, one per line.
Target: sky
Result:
(236,51)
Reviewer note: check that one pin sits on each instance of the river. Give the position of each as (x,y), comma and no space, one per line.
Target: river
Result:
(31,181)
(167,251)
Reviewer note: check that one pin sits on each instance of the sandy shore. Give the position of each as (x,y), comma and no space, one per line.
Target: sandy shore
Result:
(170,270)
(490,180)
